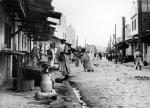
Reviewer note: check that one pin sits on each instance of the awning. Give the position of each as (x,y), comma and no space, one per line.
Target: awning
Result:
(131,41)
(39,11)
(33,15)
(121,45)
(54,14)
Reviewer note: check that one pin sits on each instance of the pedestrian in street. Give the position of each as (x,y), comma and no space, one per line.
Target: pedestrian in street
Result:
(76,55)
(109,57)
(64,58)
(115,57)
(86,62)
(100,55)
(95,55)
(138,59)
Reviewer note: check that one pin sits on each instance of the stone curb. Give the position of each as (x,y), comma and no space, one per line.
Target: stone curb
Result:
(75,101)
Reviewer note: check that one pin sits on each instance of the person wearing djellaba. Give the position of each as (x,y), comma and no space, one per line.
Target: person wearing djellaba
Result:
(34,55)
(64,57)
(86,62)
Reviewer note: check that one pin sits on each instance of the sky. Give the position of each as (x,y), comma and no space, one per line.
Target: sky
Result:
(94,20)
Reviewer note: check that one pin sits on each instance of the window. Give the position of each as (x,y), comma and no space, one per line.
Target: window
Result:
(135,24)
(132,25)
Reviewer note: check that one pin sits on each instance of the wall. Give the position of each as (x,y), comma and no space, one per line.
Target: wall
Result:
(145,22)
(65,32)
(5,61)
(1,29)
(61,29)
(2,57)
(71,36)
(17,42)
(128,32)
(134,17)
(148,54)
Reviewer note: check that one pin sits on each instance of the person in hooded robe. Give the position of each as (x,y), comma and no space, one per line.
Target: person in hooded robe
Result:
(86,62)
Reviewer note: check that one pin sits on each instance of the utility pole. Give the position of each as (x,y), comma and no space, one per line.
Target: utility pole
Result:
(115,34)
(148,15)
(139,23)
(123,37)
(113,40)
(115,37)
(115,49)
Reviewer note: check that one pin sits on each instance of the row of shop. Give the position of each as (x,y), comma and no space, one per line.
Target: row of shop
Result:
(129,46)
(22,23)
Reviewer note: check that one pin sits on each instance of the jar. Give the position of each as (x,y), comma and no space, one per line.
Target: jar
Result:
(46,82)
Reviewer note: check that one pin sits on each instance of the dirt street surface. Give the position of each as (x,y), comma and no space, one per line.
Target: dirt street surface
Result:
(12,99)
(113,86)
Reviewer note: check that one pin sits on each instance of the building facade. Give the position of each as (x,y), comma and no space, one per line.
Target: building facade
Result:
(22,23)
(66,32)
(71,36)
(140,26)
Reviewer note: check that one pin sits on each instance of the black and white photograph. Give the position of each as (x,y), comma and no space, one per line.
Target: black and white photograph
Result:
(74,53)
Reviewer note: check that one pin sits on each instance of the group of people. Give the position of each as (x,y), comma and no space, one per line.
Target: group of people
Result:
(97,56)
(138,58)
(61,53)
(64,56)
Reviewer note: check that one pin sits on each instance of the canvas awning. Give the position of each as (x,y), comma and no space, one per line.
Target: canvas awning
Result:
(33,15)
(121,45)
(39,11)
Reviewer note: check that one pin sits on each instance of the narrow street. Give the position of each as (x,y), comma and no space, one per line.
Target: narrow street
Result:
(113,86)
